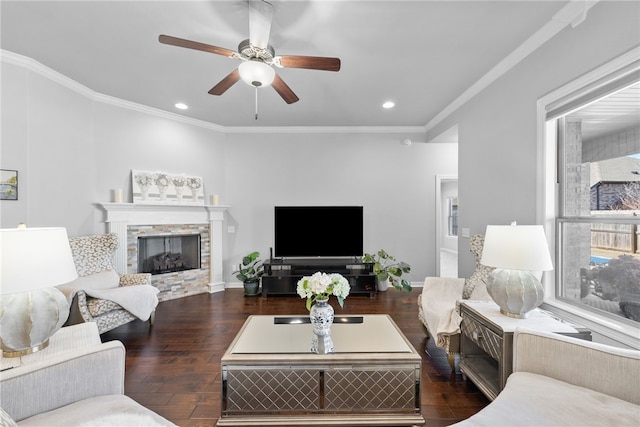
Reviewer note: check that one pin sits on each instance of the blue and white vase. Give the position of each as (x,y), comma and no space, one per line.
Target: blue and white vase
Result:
(321,315)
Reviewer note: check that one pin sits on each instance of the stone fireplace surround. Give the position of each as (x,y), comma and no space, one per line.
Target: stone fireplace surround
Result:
(129,220)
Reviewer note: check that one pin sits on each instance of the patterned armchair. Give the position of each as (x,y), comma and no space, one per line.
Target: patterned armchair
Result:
(439,302)
(100,294)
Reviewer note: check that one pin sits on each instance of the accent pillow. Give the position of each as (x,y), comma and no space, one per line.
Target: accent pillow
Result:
(482,272)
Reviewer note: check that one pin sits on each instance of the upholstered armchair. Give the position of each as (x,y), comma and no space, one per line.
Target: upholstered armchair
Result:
(75,381)
(100,294)
(439,302)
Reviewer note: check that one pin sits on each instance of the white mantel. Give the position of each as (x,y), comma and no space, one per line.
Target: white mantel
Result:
(121,215)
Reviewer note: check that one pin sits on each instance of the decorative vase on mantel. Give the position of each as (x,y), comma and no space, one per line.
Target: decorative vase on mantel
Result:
(144,190)
(321,315)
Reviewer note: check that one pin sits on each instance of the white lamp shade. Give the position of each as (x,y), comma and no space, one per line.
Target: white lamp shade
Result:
(256,73)
(34,258)
(516,247)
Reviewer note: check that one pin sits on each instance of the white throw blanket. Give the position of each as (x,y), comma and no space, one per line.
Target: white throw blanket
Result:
(139,300)
(439,307)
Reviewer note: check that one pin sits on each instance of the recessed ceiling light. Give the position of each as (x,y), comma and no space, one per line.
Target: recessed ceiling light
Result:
(181,106)
(388,104)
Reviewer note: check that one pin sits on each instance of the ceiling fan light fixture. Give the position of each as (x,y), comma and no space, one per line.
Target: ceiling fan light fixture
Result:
(256,73)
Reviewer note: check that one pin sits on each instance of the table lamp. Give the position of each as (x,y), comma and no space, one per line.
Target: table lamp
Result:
(32,262)
(518,252)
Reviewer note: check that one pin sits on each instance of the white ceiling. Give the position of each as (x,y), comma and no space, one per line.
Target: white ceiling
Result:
(615,112)
(420,54)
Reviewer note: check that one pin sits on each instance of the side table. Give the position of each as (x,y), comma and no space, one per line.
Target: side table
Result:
(486,342)
(65,339)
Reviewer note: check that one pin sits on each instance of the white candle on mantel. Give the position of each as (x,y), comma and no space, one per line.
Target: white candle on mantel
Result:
(118,196)
(215,199)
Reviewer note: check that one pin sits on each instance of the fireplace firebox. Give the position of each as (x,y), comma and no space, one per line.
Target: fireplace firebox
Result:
(168,253)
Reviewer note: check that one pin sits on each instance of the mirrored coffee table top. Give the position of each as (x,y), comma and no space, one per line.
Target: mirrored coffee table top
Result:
(375,333)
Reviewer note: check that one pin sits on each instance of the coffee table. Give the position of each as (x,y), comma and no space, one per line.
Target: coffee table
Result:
(270,377)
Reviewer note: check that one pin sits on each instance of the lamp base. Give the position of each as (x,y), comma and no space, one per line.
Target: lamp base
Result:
(19,353)
(515,291)
(28,319)
(514,315)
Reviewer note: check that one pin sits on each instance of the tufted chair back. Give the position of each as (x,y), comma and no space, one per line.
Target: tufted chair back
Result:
(93,254)
(482,272)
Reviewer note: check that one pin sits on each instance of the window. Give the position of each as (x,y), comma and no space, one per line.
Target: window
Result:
(452,210)
(599,232)
(591,198)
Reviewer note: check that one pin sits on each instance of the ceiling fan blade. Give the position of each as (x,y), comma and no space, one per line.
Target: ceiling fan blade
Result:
(225,83)
(310,62)
(260,17)
(284,90)
(175,41)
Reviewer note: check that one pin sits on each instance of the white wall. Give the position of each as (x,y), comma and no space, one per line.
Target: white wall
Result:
(393,182)
(72,148)
(497,128)
(46,136)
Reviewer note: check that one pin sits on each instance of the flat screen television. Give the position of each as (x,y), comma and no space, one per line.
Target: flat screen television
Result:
(318,231)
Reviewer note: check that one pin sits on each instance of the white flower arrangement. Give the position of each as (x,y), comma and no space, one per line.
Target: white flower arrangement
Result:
(161,179)
(179,180)
(144,180)
(194,182)
(321,286)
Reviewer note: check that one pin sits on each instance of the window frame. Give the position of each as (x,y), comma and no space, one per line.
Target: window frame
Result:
(548,196)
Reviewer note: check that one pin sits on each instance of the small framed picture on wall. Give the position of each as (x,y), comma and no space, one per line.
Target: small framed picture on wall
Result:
(8,184)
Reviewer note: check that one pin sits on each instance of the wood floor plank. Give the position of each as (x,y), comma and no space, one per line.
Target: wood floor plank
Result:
(173,368)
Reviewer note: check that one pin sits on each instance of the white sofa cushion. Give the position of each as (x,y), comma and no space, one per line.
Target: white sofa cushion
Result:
(110,410)
(536,400)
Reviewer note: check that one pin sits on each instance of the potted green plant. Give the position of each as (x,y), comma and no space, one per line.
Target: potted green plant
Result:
(249,273)
(388,270)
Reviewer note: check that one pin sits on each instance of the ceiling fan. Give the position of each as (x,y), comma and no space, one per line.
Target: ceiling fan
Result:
(257,56)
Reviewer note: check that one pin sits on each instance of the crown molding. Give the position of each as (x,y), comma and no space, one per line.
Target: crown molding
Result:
(56,77)
(326,129)
(574,13)
(46,72)
(118,102)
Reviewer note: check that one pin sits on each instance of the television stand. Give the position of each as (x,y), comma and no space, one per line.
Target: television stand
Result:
(281,276)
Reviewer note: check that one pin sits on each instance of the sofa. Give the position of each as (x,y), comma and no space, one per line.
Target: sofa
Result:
(564,381)
(76,381)
(100,294)
(438,303)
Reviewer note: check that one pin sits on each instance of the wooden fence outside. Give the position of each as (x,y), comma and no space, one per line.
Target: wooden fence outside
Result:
(618,237)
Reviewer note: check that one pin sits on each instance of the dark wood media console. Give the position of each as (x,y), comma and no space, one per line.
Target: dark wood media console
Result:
(281,276)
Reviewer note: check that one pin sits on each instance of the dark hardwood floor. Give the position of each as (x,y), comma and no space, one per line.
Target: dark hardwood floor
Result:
(173,368)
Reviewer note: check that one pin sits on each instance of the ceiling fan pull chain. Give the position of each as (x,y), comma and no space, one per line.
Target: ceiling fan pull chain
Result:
(256,102)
